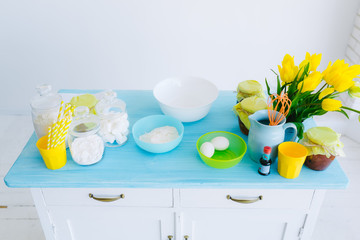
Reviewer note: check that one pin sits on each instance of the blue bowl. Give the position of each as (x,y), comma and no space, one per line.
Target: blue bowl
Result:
(147,124)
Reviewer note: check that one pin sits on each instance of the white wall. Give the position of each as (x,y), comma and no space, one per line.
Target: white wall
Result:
(132,44)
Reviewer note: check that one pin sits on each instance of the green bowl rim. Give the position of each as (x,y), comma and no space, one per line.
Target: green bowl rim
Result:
(242,140)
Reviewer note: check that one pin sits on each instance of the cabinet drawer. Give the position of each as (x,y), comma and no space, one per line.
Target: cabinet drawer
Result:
(226,198)
(122,197)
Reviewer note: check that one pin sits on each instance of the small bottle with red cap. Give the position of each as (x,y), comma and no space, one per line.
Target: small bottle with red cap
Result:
(265,162)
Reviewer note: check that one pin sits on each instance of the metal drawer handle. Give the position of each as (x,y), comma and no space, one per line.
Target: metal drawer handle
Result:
(121,196)
(170,237)
(186,237)
(3,206)
(245,200)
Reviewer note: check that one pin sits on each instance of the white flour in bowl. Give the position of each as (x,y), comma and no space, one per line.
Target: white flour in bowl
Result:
(160,135)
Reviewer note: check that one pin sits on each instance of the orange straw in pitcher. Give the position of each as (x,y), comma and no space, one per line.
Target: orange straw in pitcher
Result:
(282,106)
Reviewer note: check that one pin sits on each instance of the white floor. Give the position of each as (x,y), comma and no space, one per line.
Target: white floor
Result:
(339,217)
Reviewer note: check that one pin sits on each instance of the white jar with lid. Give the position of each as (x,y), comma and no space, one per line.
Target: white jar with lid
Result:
(86,146)
(44,109)
(114,124)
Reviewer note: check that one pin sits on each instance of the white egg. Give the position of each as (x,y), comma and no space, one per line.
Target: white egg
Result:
(220,143)
(207,149)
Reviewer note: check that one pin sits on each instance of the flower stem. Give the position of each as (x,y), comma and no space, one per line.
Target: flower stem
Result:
(350,109)
(309,104)
(316,95)
(322,88)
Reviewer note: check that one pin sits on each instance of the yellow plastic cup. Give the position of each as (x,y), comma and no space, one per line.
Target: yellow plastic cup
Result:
(54,158)
(291,158)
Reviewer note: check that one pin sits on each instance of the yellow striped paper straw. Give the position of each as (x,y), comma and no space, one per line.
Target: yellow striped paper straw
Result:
(67,108)
(62,133)
(60,110)
(52,134)
(55,134)
(61,125)
(65,130)
(68,116)
(68,111)
(49,138)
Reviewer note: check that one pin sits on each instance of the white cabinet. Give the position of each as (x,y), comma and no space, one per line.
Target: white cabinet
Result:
(249,224)
(124,214)
(181,214)
(77,223)
(244,213)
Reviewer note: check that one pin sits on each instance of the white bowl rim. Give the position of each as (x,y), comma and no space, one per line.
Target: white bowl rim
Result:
(187,78)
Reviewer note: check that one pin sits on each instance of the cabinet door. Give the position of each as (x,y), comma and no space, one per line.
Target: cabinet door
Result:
(248,224)
(87,223)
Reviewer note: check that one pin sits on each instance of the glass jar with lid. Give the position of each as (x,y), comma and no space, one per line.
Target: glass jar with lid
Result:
(114,124)
(44,109)
(86,146)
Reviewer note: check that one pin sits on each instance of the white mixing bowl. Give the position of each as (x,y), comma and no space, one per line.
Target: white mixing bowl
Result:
(186,98)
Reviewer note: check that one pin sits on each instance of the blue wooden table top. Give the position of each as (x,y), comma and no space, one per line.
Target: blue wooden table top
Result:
(131,167)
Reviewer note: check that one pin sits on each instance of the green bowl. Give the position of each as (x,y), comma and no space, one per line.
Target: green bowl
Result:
(227,158)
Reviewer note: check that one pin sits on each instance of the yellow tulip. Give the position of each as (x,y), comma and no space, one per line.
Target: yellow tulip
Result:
(313,60)
(288,70)
(340,75)
(326,92)
(329,104)
(310,82)
(354,91)
(353,71)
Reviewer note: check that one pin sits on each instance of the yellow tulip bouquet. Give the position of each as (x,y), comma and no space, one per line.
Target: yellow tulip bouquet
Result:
(313,92)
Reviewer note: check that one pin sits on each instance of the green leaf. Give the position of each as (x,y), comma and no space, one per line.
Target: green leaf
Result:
(351,109)
(274,72)
(284,86)
(319,112)
(300,129)
(306,70)
(278,88)
(267,87)
(343,112)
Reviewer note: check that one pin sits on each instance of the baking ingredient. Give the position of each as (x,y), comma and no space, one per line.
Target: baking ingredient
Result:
(114,126)
(220,143)
(42,121)
(265,162)
(160,135)
(44,109)
(87,150)
(208,149)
